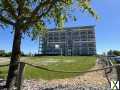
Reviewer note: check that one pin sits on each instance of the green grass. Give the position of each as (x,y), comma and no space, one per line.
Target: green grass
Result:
(64,63)
(3,72)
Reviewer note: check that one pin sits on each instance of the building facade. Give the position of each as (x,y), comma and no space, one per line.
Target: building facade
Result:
(70,41)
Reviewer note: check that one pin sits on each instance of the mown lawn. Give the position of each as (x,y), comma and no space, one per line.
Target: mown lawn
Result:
(64,63)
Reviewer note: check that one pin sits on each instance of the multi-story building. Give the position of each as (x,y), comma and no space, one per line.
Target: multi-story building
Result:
(70,41)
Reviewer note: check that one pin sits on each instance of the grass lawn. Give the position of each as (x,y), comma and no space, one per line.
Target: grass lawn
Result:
(64,63)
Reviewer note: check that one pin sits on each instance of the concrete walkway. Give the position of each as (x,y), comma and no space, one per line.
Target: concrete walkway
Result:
(4,59)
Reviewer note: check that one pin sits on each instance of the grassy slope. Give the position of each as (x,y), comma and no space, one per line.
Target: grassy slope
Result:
(67,63)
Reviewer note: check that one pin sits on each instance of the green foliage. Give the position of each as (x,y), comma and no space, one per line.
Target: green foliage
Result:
(27,14)
(85,5)
(116,52)
(8,54)
(2,52)
(110,53)
(113,52)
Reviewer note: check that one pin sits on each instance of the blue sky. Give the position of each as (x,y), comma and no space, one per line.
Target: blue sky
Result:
(107,28)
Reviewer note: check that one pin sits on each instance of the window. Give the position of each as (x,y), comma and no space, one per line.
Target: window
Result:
(91,45)
(62,36)
(56,39)
(92,50)
(83,45)
(76,45)
(75,33)
(83,33)
(91,36)
(76,36)
(84,38)
(50,39)
(91,32)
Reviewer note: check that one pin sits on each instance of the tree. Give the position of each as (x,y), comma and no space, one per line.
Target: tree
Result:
(116,53)
(24,15)
(110,53)
(2,53)
(113,53)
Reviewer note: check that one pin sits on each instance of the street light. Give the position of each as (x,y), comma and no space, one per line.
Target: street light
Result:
(57,46)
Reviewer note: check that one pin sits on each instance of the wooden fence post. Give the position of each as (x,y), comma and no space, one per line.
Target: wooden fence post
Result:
(118,74)
(20,76)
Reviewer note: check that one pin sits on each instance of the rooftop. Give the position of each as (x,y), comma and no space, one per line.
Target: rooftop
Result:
(74,28)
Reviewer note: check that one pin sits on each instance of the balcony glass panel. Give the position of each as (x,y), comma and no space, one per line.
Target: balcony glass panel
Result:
(91,45)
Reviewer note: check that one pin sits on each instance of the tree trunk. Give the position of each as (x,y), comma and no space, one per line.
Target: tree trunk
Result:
(13,68)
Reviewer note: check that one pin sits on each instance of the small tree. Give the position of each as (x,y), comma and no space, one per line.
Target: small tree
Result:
(24,15)
(116,52)
(110,53)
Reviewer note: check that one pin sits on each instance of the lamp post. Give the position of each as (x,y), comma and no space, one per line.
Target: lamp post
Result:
(58,47)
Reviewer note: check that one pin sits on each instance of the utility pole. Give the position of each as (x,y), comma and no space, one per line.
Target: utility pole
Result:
(61,51)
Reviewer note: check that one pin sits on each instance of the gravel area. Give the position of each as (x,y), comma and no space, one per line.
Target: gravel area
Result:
(87,81)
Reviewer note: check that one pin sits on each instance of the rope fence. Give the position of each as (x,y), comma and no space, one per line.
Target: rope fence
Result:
(51,70)
(43,68)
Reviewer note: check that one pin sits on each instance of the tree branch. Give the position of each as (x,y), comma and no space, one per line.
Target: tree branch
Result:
(40,5)
(5,20)
(9,8)
(20,6)
(51,4)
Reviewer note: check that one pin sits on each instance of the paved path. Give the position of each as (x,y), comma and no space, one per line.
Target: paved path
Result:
(4,59)
(7,59)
